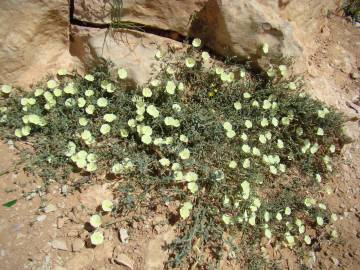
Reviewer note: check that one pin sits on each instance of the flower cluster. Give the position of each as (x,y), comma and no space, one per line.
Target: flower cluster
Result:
(225,143)
(97,236)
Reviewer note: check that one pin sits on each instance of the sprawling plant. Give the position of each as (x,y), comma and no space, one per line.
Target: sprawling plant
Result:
(239,152)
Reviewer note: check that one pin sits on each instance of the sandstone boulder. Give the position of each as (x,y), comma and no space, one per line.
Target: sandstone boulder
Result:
(131,50)
(241,27)
(34,40)
(163,14)
(228,27)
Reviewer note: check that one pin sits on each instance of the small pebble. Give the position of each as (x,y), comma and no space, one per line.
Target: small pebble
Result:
(354,75)
(50,208)
(40,218)
(123,235)
(335,261)
(30,196)
(64,189)
(123,259)
(59,244)
(10,142)
(77,245)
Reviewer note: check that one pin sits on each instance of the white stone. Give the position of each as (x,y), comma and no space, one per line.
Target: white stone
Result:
(59,244)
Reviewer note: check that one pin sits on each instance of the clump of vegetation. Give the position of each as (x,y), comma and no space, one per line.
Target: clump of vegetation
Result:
(116,8)
(240,153)
(352,8)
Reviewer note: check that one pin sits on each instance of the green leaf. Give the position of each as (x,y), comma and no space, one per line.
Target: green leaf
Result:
(9,203)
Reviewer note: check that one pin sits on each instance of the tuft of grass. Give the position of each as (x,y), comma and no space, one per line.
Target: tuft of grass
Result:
(116,8)
(239,153)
